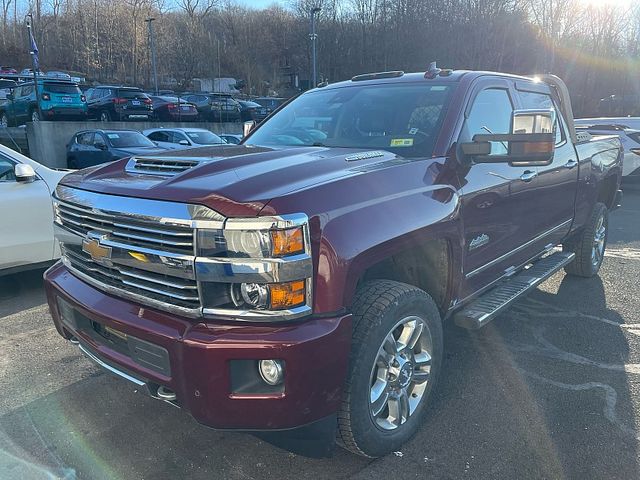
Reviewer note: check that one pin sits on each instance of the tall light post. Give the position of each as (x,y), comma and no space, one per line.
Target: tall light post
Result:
(152,44)
(35,61)
(314,37)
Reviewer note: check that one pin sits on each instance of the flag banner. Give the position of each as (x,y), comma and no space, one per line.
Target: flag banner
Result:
(34,51)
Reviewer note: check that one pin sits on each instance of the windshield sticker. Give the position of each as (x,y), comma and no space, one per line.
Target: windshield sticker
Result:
(113,135)
(401,142)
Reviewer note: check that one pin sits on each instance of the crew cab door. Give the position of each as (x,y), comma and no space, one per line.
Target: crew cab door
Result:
(26,234)
(557,182)
(498,199)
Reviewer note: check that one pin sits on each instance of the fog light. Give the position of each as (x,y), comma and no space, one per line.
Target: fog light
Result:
(255,294)
(271,371)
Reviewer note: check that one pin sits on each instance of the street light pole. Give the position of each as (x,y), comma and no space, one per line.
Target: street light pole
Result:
(313,36)
(33,51)
(152,44)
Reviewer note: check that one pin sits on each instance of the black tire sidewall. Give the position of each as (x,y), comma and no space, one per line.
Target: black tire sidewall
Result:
(372,440)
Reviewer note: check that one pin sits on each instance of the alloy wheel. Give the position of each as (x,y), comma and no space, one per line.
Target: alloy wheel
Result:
(599,242)
(400,374)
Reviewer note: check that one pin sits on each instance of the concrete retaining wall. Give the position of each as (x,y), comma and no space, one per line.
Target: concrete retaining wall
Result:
(48,140)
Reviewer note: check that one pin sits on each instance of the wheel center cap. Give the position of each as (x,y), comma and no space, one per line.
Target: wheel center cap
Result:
(405,375)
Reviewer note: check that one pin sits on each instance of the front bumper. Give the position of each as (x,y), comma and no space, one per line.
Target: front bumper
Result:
(315,353)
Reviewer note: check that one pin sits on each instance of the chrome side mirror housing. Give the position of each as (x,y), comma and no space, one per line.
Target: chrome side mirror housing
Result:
(24,173)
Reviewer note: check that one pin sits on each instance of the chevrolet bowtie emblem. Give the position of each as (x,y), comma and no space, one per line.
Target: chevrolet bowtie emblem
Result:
(99,253)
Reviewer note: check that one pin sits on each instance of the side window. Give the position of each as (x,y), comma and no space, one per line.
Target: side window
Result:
(84,138)
(176,137)
(99,142)
(491,112)
(17,92)
(6,170)
(534,100)
(26,91)
(159,137)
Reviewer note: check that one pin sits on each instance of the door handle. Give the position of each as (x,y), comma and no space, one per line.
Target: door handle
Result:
(571,164)
(528,175)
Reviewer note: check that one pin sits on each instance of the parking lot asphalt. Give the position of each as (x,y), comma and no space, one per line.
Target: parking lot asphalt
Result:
(548,390)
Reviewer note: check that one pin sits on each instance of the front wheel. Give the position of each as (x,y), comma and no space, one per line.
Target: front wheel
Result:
(35,116)
(395,359)
(105,116)
(590,245)
(4,120)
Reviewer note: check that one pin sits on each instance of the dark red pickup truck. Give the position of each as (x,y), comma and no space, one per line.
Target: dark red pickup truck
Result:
(298,282)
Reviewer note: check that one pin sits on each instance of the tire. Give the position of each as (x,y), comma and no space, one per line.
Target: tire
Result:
(380,307)
(105,116)
(34,116)
(4,120)
(590,245)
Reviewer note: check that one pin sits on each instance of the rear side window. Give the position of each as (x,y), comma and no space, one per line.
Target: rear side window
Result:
(491,112)
(84,138)
(69,89)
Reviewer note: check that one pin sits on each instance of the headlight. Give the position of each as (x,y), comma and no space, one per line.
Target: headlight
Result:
(257,268)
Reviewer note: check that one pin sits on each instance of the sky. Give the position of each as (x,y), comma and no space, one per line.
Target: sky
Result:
(260,3)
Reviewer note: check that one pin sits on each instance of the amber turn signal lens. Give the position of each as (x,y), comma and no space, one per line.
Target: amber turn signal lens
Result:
(287,295)
(287,242)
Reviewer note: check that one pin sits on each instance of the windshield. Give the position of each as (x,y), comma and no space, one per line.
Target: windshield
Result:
(402,118)
(204,138)
(129,139)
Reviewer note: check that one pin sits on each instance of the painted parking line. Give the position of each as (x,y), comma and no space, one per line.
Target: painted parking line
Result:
(626,253)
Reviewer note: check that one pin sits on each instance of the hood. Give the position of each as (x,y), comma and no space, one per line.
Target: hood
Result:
(234,180)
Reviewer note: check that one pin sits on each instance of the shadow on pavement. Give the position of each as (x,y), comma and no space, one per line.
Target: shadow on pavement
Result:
(21,291)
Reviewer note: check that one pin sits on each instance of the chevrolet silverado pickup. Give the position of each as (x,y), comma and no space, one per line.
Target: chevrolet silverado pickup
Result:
(296,284)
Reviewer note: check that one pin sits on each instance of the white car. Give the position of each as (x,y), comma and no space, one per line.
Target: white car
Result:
(626,122)
(26,236)
(629,137)
(181,138)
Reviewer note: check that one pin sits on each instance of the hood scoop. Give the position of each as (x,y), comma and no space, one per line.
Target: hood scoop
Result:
(167,166)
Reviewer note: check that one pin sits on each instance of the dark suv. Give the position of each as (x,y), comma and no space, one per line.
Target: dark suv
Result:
(215,107)
(109,103)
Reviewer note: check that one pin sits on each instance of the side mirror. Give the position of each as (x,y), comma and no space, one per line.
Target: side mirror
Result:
(531,143)
(247,127)
(184,142)
(24,173)
(101,146)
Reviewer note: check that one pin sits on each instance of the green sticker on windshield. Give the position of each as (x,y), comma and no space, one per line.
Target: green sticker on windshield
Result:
(401,142)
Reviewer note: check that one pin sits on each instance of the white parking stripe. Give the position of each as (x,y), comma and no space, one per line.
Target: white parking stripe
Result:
(627,253)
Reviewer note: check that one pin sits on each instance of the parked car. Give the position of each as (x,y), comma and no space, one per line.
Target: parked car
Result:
(299,282)
(113,103)
(215,107)
(174,109)
(268,104)
(59,75)
(29,72)
(5,88)
(250,111)
(59,100)
(625,122)
(181,138)
(4,70)
(93,147)
(231,138)
(26,236)
(629,138)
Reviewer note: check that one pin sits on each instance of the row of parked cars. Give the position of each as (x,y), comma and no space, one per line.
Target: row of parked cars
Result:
(93,147)
(64,100)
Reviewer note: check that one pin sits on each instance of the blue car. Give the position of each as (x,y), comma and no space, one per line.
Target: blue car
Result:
(93,147)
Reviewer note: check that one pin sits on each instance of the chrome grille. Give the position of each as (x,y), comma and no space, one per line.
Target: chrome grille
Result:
(82,220)
(161,287)
(160,166)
